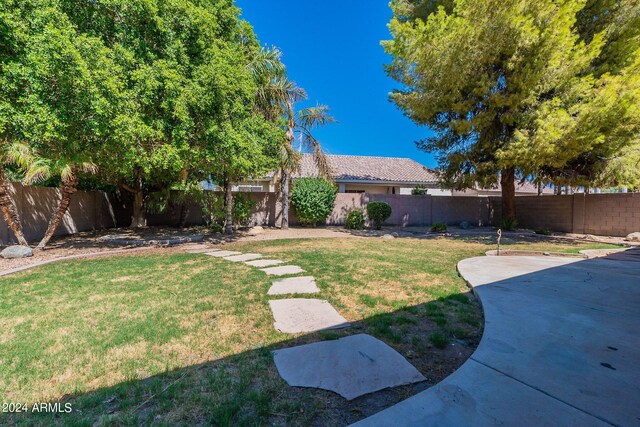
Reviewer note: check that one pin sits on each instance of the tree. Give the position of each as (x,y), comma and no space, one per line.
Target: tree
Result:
(57,93)
(67,168)
(488,76)
(12,154)
(178,56)
(276,99)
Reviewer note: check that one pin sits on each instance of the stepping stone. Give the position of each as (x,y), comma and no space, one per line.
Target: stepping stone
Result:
(202,250)
(244,257)
(264,262)
(221,254)
(294,285)
(283,270)
(351,366)
(305,315)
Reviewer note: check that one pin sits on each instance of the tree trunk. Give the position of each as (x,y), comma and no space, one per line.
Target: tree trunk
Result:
(68,187)
(9,211)
(284,189)
(228,203)
(139,217)
(184,214)
(508,184)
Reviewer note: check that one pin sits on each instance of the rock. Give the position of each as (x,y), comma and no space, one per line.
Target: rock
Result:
(254,231)
(388,236)
(16,251)
(633,237)
(465,225)
(394,234)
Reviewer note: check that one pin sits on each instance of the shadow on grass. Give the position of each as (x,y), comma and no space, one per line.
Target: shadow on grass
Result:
(245,388)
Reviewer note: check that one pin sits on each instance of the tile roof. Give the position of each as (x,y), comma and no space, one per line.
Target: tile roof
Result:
(369,168)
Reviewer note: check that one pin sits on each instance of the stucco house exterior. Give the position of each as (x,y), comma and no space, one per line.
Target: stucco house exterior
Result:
(360,174)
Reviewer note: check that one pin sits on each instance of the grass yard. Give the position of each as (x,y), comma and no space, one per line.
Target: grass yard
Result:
(179,339)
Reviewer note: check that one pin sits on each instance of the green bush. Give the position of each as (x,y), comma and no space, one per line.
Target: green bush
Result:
(439,226)
(378,213)
(419,190)
(243,207)
(312,200)
(508,224)
(544,231)
(355,220)
(215,212)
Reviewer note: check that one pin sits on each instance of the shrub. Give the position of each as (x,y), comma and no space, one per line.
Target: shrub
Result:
(419,190)
(543,231)
(508,224)
(243,207)
(312,199)
(215,212)
(355,220)
(439,226)
(378,212)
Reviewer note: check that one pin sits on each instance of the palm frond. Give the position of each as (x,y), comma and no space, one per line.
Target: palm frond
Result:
(320,158)
(38,170)
(314,116)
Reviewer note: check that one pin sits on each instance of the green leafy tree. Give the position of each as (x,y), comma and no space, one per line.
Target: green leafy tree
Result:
(56,92)
(490,77)
(188,91)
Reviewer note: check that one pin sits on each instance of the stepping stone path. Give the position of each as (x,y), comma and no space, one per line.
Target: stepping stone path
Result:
(294,285)
(264,262)
(305,315)
(352,366)
(242,258)
(284,270)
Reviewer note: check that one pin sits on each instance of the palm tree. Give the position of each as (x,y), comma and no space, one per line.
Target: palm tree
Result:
(68,169)
(16,154)
(276,99)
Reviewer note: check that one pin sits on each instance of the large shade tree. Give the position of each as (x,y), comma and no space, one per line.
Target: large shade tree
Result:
(187,80)
(498,81)
(58,95)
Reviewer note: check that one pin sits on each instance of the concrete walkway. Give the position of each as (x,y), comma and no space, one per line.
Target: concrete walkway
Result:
(561,346)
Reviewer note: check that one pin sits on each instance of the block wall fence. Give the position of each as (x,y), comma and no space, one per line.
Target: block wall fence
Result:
(600,214)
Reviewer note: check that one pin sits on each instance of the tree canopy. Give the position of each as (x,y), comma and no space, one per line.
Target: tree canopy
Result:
(153,93)
(523,88)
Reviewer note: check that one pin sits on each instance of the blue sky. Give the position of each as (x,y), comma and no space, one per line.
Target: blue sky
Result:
(332,49)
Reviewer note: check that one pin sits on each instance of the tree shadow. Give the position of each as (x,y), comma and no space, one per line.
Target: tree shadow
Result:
(246,389)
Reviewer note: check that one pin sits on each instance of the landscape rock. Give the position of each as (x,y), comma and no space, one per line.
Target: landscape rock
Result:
(465,225)
(16,251)
(633,237)
(254,231)
(388,236)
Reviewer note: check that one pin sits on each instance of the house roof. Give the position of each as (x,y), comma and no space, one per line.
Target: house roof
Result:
(370,169)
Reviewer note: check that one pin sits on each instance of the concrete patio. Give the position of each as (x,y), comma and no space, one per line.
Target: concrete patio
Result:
(560,347)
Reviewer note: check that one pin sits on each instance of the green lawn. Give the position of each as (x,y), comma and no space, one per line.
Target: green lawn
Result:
(186,339)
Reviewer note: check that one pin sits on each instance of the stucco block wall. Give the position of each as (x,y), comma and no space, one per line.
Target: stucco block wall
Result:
(612,214)
(600,214)
(553,212)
